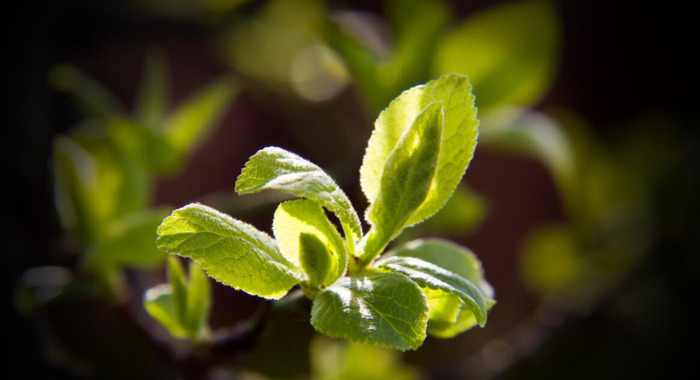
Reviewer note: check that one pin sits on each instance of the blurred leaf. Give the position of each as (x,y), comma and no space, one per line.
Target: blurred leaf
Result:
(339,360)
(428,275)
(94,184)
(465,211)
(551,260)
(152,100)
(459,136)
(536,134)
(192,120)
(509,52)
(178,284)
(406,179)
(265,45)
(229,250)
(380,72)
(384,309)
(302,216)
(89,96)
(129,242)
(277,169)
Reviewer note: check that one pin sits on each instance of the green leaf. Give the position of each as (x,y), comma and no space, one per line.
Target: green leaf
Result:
(509,52)
(278,169)
(449,315)
(406,179)
(232,252)
(431,276)
(303,216)
(384,309)
(457,144)
(152,100)
(158,302)
(179,286)
(198,302)
(316,259)
(189,124)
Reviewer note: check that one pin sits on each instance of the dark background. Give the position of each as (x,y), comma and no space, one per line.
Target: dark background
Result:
(621,61)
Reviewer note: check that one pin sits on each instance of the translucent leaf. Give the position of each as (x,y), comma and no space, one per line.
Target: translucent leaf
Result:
(384,309)
(232,252)
(278,169)
(406,179)
(431,276)
(456,147)
(316,260)
(158,302)
(509,52)
(191,121)
(299,216)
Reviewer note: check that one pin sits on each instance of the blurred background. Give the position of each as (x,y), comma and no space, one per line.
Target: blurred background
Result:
(580,201)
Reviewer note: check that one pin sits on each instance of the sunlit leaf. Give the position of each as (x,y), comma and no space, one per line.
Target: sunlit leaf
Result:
(456,147)
(509,52)
(406,179)
(302,216)
(449,315)
(232,252)
(431,276)
(278,169)
(384,309)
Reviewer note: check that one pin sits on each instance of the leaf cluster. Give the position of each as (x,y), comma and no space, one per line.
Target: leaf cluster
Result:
(420,148)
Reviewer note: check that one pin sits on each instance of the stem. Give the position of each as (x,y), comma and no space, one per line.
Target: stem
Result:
(372,245)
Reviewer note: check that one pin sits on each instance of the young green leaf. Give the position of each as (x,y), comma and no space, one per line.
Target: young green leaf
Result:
(384,309)
(302,216)
(457,143)
(179,286)
(406,179)
(232,252)
(448,255)
(198,301)
(449,315)
(90,96)
(278,169)
(316,260)
(158,302)
(431,276)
